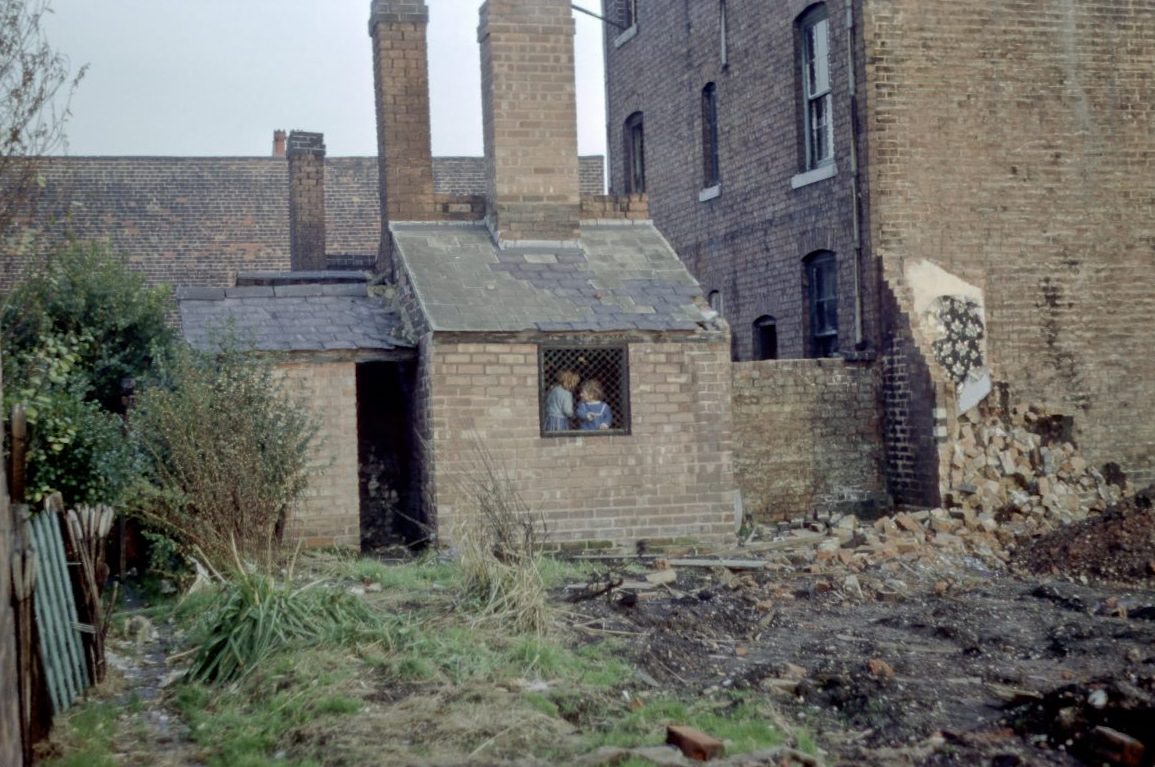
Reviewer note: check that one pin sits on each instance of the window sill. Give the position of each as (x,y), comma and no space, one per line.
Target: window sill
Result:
(626,36)
(709,193)
(821,173)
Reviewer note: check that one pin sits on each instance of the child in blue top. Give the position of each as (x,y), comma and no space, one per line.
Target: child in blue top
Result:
(559,401)
(592,412)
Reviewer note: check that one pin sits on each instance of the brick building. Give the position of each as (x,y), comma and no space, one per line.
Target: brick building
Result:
(948,195)
(482,303)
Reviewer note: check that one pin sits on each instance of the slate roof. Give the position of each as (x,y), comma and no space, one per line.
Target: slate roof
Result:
(199,220)
(291,317)
(624,276)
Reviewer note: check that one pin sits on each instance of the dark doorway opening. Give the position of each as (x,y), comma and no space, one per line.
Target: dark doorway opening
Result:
(390,510)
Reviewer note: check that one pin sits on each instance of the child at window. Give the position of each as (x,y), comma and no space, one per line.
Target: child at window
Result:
(592,412)
(559,401)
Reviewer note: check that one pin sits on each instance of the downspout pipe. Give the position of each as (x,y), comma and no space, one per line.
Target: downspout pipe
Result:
(855,186)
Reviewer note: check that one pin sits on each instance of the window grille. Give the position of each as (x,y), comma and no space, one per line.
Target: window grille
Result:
(587,370)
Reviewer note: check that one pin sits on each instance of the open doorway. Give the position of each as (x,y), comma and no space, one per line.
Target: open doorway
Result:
(390,512)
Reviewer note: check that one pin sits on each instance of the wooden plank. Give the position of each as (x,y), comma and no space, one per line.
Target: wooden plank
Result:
(11,721)
(729,564)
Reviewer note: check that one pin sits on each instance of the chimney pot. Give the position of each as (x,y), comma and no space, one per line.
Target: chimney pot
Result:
(278,143)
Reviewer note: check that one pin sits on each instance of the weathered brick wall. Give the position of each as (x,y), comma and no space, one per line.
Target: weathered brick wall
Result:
(329,512)
(1012,146)
(670,478)
(806,438)
(750,240)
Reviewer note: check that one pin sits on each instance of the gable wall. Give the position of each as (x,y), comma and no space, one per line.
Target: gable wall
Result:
(671,478)
(1011,145)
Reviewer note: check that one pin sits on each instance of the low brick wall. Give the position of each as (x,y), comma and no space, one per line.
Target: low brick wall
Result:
(329,512)
(806,437)
(669,479)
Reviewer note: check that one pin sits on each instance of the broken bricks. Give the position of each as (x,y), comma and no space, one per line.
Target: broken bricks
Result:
(695,744)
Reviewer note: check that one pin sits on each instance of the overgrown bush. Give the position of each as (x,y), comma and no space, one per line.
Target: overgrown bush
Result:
(225,449)
(114,323)
(499,540)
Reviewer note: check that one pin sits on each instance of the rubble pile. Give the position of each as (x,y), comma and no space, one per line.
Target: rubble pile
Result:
(1013,480)
(1024,471)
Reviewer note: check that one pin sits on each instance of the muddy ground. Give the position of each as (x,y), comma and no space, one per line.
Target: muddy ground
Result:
(932,659)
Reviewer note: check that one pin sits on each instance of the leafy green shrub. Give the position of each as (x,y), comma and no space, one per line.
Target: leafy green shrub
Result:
(226,450)
(71,332)
(116,322)
(74,446)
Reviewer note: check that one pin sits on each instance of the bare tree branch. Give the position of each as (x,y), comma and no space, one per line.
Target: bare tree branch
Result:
(36,87)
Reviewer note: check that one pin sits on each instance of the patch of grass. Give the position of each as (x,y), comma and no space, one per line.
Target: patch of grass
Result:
(87,733)
(251,724)
(742,726)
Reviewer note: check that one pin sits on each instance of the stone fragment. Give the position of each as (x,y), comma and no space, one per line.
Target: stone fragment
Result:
(880,668)
(1117,747)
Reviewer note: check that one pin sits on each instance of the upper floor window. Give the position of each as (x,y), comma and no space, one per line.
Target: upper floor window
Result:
(629,13)
(821,271)
(711,175)
(584,389)
(765,338)
(814,26)
(716,301)
(634,153)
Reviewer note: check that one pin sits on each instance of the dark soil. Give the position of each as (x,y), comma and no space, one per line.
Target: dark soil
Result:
(1118,545)
(927,661)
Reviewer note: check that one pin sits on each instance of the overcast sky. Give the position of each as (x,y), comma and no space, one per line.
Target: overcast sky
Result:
(216,77)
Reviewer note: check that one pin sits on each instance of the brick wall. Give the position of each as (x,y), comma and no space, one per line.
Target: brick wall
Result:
(1050,214)
(806,438)
(670,478)
(749,241)
(329,512)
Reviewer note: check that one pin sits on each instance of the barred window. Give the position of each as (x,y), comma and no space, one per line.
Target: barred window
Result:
(584,390)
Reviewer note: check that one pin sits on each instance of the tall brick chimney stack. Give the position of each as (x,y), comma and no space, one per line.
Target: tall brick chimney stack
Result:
(401,74)
(306,153)
(530,119)
(278,143)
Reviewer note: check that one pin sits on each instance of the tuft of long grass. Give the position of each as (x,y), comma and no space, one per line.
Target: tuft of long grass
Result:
(255,614)
(500,541)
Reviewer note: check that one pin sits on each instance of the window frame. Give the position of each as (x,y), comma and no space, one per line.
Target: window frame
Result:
(817,87)
(758,347)
(821,270)
(711,160)
(622,411)
(634,153)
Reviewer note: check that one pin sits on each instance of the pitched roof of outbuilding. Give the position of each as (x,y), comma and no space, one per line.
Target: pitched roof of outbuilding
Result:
(622,276)
(291,318)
